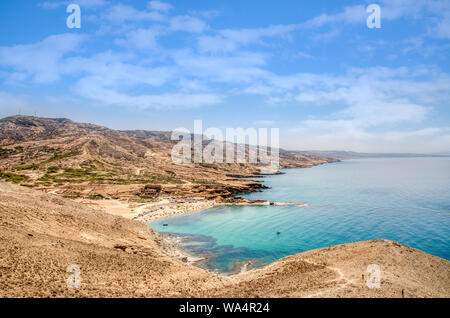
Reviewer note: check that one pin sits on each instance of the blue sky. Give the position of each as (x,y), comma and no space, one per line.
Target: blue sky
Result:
(311,68)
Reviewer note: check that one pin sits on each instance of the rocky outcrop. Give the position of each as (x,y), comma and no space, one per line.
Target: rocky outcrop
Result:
(150,191)
(218,192)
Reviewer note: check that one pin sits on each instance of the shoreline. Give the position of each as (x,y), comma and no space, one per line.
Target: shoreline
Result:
(168,206)
(172,206)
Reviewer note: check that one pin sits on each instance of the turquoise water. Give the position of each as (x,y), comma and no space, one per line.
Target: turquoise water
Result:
(405,200)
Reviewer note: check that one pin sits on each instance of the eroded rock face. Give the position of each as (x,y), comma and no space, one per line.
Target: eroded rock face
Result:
(216,192)
(150,191)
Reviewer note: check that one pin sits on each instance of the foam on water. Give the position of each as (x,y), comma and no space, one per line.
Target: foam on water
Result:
(405,200)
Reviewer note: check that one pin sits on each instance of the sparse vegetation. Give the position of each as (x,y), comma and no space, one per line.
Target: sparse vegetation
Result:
(53,169)
(72,153)
(150,180)
(78,175)
(12,177)
(209,165)
(27,167)
(75,173)
(46,177)
(47,149)
(96,197)
(5,153)
(27,185)
(72,194)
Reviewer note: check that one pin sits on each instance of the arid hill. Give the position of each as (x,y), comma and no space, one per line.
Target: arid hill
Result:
(85,160)
(41,234)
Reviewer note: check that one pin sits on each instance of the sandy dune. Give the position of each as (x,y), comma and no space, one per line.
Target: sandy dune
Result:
(41,234)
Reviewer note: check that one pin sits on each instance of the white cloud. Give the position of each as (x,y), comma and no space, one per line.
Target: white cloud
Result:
(231,39)
(367,102)
(425,132)
(110,79)
(216,43)
(141,38)
(390,10)
(158,13)
(94,89)
(159,6)
(243,67)
(187,24)
(442,28)
(426,140)
(119,71)
(42,60)
(81,3)
(301,55)
(123,13)
(350,15)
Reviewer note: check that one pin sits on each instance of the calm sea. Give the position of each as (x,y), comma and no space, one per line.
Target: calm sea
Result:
(406,200)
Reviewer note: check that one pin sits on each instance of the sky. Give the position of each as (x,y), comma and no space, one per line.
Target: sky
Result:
(313,69)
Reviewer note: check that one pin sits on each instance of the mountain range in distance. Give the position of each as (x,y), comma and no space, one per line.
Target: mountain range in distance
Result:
(342,155)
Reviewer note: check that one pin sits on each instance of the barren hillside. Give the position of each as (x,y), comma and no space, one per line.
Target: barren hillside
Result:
(85,160)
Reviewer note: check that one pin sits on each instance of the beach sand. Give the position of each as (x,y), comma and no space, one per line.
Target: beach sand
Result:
(150,211)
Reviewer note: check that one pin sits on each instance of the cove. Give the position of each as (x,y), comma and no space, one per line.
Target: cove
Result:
(402,199)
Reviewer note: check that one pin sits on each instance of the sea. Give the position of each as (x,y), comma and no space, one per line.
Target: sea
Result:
(401,199)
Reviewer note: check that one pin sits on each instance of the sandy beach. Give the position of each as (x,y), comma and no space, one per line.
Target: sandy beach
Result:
(167,206)
(150,211)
